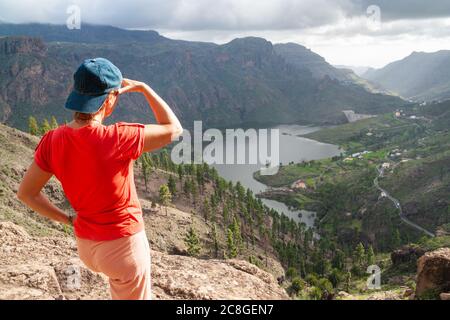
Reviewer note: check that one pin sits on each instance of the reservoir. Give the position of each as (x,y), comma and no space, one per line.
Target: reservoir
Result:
(292,149)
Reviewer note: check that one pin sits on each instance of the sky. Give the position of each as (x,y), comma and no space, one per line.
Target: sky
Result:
(345,32)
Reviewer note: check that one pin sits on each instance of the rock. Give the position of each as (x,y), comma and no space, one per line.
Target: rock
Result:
(48,268)
(77,281)
(408,293)
(406,255)
(180,277)
(385,295)
(342,294)
(444,296)
(433,272)
(28,281)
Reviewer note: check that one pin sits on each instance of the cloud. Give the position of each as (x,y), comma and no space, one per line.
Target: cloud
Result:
(240,15)
(184,14)
(406,9)
(337,29)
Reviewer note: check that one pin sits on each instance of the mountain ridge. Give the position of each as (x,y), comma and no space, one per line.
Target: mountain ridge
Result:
(244,81)
(421,76)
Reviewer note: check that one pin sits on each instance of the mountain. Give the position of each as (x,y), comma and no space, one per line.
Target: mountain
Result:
(358,70)
(247,81)
(305,59)
(420,76)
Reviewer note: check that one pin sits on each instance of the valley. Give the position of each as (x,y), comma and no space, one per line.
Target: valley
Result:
(388,188)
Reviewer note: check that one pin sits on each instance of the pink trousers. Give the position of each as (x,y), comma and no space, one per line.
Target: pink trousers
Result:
(125,261)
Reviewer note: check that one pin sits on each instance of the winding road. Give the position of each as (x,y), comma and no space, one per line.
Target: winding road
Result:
(398,205)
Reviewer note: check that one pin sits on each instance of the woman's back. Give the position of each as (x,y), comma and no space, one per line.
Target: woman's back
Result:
(94,164)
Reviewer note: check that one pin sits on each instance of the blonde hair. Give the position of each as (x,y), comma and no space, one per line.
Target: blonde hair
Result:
(83,116)
(86,116)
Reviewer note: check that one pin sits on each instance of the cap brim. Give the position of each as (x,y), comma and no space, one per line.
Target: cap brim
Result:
(85,104)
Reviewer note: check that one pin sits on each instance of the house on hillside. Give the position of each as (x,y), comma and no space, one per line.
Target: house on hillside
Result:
(386,165)
(299,184)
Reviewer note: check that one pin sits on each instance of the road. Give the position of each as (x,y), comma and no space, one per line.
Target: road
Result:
(398,205)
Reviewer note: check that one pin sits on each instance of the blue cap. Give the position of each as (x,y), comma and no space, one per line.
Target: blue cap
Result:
(94,80)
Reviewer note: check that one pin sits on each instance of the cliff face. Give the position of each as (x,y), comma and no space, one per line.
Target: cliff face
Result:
(22,45)
(30,79)
(47,268)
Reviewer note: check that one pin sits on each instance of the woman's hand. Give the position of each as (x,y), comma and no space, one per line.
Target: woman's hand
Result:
(129,85)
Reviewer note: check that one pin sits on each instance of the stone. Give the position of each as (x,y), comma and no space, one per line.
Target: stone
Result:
(433,272)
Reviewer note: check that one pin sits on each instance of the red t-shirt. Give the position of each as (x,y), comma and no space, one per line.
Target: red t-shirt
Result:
(95,167)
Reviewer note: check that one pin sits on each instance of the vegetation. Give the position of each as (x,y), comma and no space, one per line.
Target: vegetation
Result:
(358,226)
(165,197)
(192,241)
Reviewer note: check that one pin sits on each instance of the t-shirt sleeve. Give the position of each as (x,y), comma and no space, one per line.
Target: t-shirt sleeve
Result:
(42,154)
(131,139)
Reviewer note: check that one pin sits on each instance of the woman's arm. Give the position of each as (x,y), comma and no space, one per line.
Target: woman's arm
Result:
(168,128)
(30,194)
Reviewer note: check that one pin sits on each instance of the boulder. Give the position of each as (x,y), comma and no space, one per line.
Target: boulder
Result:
(444,296)
(433,273)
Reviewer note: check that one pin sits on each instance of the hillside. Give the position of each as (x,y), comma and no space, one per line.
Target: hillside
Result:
(306,59)
(414,149)
(420,76)
(39,257)
(36,252)
(244,82)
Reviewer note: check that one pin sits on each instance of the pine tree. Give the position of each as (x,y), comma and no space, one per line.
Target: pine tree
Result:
(225,214)
(180,171)
(53,123)
(215,240)
(45,127)
(232,250)
(165,197)
(192,242)
(172,185)
(348,281)
(370,256)
(236,228)
(33,127)
(359,257)
(396,239)
(339,260)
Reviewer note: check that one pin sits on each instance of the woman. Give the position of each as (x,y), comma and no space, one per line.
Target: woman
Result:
(94,164)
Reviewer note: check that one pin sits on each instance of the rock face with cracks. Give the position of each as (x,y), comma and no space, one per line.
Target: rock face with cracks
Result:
(48,268)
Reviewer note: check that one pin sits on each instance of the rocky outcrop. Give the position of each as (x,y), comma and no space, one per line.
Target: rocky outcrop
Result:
(23,45)
(433,274)
(48,268)
(406,254)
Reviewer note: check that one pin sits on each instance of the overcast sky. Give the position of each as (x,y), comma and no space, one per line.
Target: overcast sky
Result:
(345,32)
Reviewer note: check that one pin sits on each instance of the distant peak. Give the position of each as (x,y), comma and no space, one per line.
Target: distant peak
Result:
(254,40)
